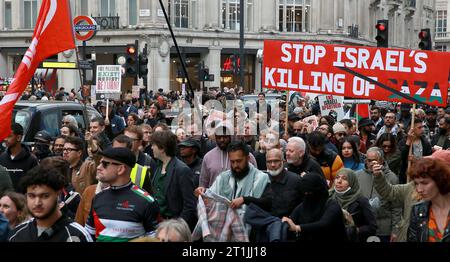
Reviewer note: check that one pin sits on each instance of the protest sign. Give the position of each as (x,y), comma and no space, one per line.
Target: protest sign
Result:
(109,79)
(135,91)
(408,76)
(330,103)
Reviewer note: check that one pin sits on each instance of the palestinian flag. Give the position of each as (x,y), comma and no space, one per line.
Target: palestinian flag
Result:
(362,111)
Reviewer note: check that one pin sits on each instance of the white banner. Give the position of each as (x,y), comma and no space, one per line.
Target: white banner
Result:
(330,103)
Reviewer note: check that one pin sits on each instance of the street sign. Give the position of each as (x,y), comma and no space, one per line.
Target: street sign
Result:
(86,64)
(85,24)
(59,65)
(109,79)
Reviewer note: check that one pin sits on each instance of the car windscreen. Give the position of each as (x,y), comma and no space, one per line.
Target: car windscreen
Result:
(22,117)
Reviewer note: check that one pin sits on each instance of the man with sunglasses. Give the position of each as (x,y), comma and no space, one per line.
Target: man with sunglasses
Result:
(123,211)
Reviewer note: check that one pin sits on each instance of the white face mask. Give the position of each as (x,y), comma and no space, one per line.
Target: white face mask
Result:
(275,172)
(342,192)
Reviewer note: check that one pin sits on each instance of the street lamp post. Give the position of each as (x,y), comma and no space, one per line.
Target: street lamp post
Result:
(241,43)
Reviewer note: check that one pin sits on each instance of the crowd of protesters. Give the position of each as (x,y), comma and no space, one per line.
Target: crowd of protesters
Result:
(275,172)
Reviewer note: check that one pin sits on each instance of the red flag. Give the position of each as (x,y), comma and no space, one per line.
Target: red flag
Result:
(53,34)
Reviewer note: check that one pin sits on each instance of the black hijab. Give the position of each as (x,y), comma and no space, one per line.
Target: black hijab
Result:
(315,195)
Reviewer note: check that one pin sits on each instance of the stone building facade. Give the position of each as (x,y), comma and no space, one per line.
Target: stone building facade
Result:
(208,31)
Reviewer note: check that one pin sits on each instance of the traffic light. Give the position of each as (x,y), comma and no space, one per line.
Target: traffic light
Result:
(382,33)
(131,60)
(143,63)
(425,39)
(203,74)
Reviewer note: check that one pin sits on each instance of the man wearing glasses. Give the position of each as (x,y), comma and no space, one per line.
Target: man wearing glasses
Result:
(123,211)
(73,153)
(284,184)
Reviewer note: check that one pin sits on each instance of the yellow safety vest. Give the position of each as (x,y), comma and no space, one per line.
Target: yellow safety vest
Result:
(138,175)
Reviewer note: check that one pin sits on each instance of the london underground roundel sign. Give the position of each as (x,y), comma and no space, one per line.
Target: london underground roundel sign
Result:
(84,24)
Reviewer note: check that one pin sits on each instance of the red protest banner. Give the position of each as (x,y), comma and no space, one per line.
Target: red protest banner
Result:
(408,76)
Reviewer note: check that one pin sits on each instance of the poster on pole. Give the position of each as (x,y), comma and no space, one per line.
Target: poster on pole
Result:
(387,74)
(109,79)
(135,91)
(332,105)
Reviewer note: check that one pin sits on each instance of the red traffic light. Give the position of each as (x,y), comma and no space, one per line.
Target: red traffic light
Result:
(423,34)
(131,50)
(381,26)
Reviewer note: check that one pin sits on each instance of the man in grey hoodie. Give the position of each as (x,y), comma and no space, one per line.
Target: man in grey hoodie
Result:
(216,161)
(387,213)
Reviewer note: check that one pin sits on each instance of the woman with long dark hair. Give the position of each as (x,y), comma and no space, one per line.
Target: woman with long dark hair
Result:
(349,153)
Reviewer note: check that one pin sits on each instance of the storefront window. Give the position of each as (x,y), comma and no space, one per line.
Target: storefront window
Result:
(230,65)
(176,72)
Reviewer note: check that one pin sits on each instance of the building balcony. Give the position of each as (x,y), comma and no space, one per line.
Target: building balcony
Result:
(108,22)
(443,36)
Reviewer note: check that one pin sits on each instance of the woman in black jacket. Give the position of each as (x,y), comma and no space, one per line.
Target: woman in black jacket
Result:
(430,219)
(361,222)
(317,218)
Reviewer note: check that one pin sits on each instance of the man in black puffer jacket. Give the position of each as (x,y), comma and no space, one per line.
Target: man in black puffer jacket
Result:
(17,159)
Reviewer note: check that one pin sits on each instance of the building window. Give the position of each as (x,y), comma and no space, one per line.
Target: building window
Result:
(132,12)
(231,14)
(30,13)
(180,10)
(441,23)
(84,7)
(441,48)
(108,8)
(231,10)
(294,15)
(8,17)
(73,8)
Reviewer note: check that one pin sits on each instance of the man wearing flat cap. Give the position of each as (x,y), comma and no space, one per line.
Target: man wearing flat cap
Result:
(123,211)
(189,151)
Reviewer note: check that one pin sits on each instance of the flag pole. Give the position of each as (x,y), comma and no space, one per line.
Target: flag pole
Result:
(286,123)
(412,142)
(76,51)
(357,117)
(107,109)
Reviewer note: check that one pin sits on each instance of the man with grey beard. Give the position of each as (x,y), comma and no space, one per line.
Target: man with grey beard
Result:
(284,184)
(298,159)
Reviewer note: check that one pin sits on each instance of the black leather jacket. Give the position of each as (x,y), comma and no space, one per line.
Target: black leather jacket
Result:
(418,226)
